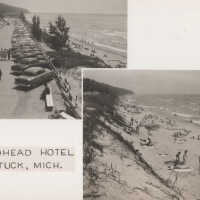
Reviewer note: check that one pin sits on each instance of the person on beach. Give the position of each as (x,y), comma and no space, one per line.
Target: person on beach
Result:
(198,138)
(0,74)
(9,53)
(76,102)
(137,130)
(93,51)
(185,156)
(149,142)
(131,124)
(146,142)
(177,161)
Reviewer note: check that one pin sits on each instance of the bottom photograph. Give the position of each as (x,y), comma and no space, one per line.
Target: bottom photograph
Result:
(141,135)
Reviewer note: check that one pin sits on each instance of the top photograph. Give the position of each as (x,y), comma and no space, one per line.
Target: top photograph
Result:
(45,44)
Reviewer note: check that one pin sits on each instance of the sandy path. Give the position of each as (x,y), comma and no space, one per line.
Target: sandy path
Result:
(13,103)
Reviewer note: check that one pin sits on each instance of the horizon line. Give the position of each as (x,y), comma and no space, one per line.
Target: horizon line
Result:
(92,13)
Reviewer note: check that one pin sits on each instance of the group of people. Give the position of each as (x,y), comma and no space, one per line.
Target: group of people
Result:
(86,45)
(135,124)
(5,54)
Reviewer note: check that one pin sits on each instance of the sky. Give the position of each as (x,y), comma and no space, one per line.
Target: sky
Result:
(71,6)
(150,81)
(165,33)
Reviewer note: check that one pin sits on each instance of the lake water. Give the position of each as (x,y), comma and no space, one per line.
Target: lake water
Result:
(187,104)
(104,30)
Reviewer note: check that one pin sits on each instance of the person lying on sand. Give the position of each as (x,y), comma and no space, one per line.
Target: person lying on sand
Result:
(145,142)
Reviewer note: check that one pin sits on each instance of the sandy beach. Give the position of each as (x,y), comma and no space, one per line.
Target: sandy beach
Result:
(112,57)
(173,134)
(134,167)
(131,169)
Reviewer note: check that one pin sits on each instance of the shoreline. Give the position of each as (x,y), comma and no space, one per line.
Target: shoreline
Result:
(169,134)
(174,130)
(118,158)
(113,56)
(109,56)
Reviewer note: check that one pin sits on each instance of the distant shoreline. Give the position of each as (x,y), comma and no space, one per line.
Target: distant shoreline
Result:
(90,42)
(71,13)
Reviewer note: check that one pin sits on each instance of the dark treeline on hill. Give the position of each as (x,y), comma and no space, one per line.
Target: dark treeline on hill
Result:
(94,86)
(59,33)
(104,99)
(7,10)
(99,102)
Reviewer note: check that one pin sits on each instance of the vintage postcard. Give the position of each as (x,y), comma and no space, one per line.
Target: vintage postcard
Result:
(141,134)
(45,44)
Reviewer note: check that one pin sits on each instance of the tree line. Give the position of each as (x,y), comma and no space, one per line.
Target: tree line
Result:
(58,32)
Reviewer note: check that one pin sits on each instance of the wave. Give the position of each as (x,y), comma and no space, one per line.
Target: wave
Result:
(122,35)
(182,115)
(111,47)
(93,43)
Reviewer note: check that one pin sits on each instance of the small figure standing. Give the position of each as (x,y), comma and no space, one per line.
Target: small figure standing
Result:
(131,124)
(198,137)
(149,142)
(76,103)
(177,161)
(185,156)
(138,129)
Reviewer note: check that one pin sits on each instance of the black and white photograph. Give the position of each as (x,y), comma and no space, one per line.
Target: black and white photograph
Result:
(141,134)
(45,44)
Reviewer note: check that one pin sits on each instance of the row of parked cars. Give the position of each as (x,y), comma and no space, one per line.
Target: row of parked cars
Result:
(30,66)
